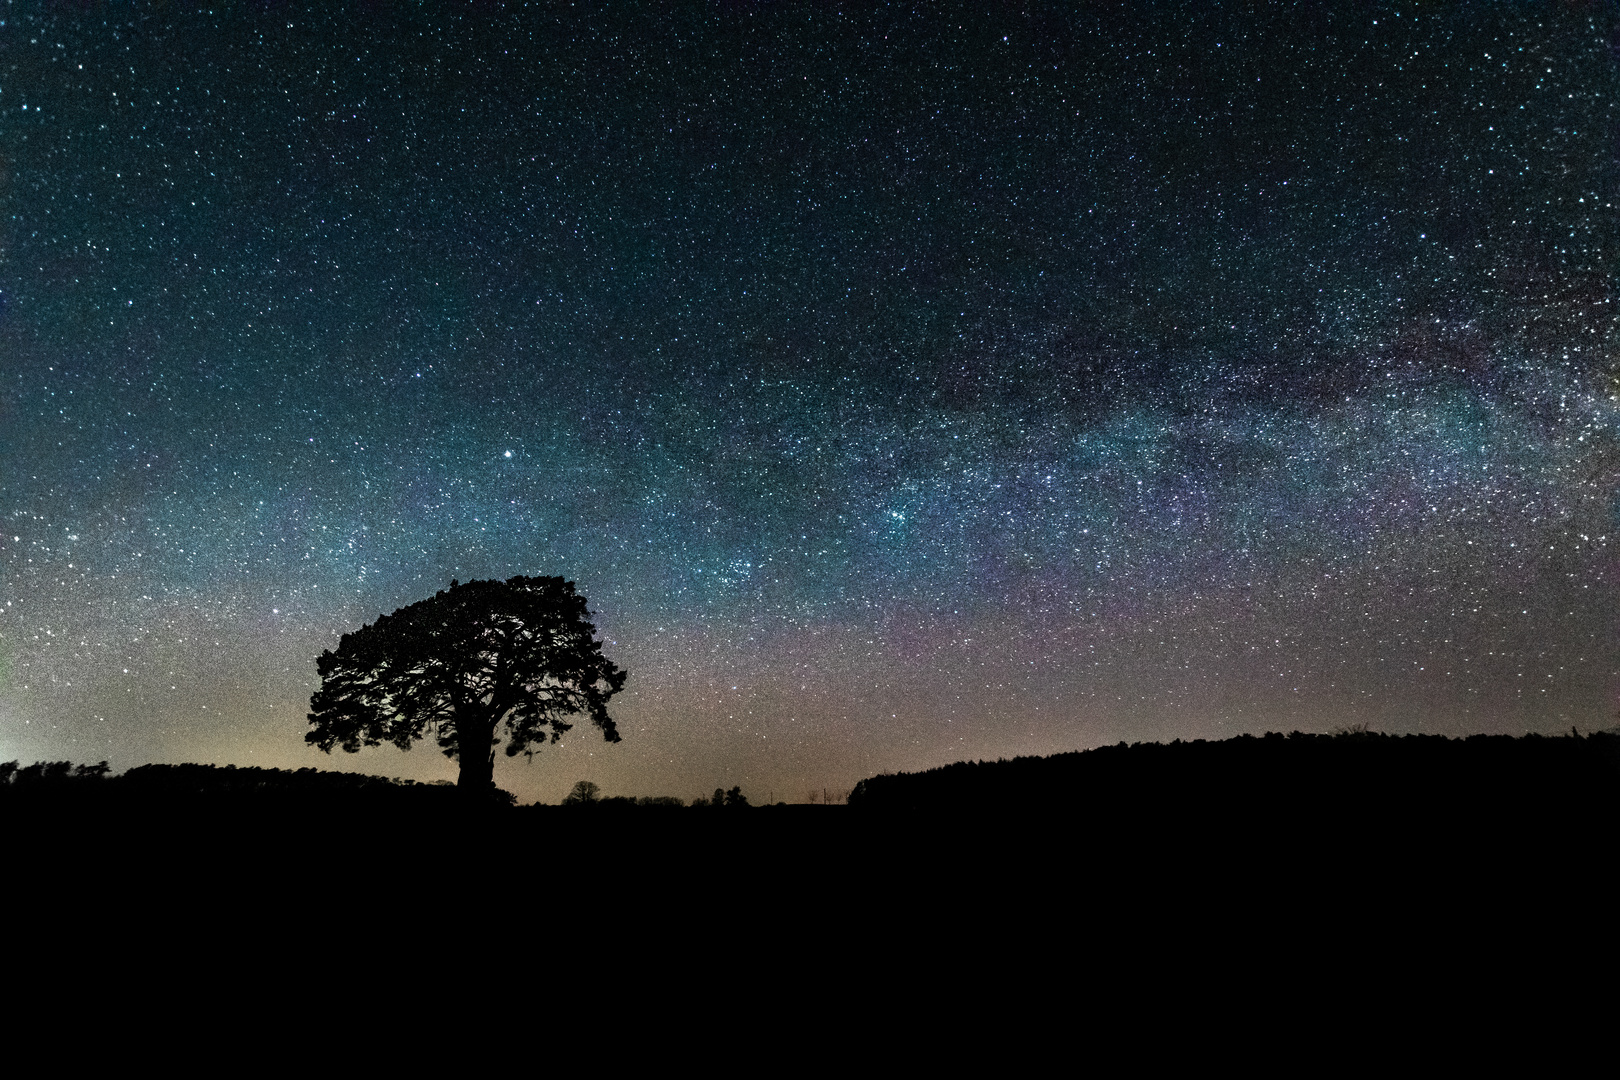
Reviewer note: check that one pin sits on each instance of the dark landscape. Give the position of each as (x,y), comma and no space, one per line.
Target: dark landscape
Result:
(1053,478)
(1356,791)
(1321,860)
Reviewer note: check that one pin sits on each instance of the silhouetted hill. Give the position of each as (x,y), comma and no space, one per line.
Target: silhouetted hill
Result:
(1274,782)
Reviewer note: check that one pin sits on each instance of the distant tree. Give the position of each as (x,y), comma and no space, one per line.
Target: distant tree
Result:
(473,663)
(584,792)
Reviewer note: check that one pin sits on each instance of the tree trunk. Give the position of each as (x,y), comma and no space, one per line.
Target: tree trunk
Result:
(475,749)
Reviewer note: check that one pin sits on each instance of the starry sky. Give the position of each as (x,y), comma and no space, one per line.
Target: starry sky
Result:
(899,385)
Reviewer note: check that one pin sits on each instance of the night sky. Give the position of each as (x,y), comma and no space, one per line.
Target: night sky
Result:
(900,386)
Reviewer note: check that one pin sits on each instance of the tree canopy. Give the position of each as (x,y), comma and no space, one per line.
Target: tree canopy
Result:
(584,792)
(477,664)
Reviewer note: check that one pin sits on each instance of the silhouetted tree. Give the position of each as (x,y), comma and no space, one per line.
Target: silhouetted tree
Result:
(516,657)
(584,792)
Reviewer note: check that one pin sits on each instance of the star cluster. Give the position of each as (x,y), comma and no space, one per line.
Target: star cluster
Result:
(900,386)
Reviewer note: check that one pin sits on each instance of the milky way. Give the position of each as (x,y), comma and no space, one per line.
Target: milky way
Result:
(899,387)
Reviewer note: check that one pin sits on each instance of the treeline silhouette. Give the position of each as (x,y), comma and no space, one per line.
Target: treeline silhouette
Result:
(588,794)
(1275,781)
(217,785)
(247,787)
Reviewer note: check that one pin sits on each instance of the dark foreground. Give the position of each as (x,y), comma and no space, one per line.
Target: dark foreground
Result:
(1326,848)
(1243,808)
